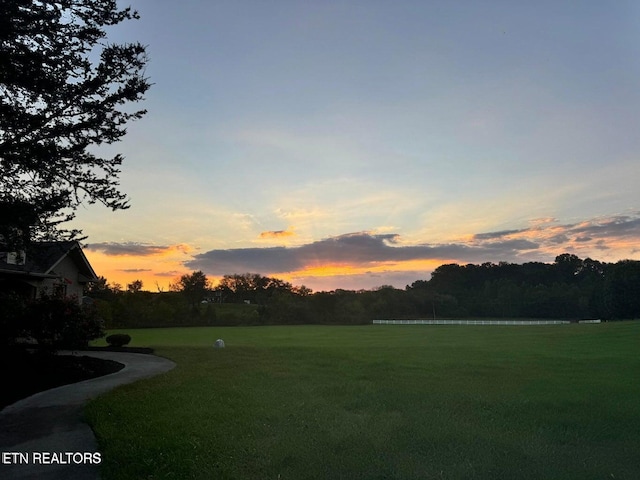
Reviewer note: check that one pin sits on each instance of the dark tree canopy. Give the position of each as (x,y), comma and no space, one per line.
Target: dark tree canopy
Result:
(256,288)
(64,90)
(194,286)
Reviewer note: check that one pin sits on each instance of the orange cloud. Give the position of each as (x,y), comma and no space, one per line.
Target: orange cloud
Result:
(122,263)
(277,234)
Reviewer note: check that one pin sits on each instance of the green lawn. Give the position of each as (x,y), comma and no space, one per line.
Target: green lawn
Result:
(374,402)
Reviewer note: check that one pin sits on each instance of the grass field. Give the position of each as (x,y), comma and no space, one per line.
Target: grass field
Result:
(380,402)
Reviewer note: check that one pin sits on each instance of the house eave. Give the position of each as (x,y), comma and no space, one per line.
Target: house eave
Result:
(76,248)
(19,273)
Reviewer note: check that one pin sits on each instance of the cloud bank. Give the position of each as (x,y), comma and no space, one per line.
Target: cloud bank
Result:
(541,241)
(368,259)
(363,249)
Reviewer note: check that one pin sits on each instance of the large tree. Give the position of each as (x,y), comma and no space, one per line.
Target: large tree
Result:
(194,286)
(254,287)
(64,91)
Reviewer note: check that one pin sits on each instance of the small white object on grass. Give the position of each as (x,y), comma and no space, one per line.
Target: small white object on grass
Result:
(219,343)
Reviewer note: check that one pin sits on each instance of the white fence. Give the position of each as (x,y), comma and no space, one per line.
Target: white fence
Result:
(478,322)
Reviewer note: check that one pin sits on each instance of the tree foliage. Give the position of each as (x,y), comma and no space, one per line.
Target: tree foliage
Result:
(569,288)
(255,288)
(63,91)
(194,286)
(135,286)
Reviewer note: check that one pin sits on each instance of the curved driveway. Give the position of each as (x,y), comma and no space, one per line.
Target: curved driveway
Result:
(51,422)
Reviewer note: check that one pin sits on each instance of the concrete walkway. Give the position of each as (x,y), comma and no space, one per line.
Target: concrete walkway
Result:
(38,433)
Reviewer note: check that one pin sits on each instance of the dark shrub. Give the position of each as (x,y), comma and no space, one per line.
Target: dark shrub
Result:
(12,326)
(61,322)
(118,339)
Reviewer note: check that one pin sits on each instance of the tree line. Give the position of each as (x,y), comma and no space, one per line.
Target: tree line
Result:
(569,288)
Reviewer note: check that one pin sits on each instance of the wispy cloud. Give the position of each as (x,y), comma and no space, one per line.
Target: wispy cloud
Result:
(169,274)
(615,226)
(493,235)
(277,234)
(600,233)
(136,249)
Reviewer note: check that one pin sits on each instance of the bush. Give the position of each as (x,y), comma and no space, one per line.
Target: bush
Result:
(12,325)
(118,339)
(61,322)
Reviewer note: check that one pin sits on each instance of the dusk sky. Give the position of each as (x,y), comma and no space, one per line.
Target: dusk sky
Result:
(354,144)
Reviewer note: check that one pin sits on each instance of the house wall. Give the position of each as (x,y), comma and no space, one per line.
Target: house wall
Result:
(69,282)
(68,277)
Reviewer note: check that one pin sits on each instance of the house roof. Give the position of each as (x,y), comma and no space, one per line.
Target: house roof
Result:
(41,259)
